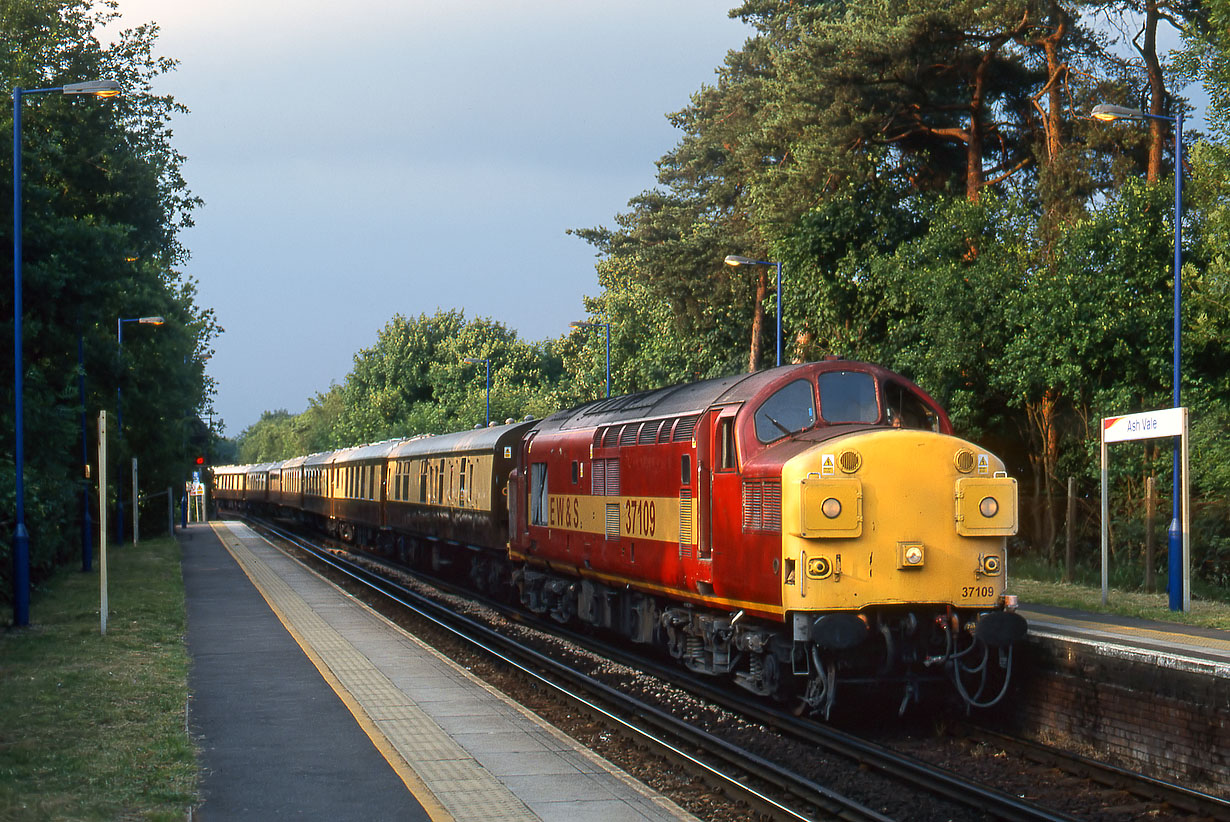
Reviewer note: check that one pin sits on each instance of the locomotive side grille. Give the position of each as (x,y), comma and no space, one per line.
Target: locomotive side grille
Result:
(772,512)
(605,478)
(753,503)
(598,479)
(628,435)
(685,428)
(612,520)
(649,433)
(685,524)
(610,437)
(762,506)
(612,478)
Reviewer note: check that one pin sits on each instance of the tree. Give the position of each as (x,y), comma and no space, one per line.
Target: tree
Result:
(104,201)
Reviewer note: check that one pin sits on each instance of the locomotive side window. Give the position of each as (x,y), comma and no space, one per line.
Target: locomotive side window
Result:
(848,396)
(685,469)
(906,410)
(726,444)
(790,410)
(538,494)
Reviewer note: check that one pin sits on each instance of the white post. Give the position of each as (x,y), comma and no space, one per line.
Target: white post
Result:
(102,518)
(1105,523)
(1187,517)
(135,514)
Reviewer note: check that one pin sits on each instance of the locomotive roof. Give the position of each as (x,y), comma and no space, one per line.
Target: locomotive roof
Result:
(675,401)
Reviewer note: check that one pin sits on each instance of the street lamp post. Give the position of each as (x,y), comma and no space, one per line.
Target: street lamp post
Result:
(736,260)
(476,361)
(607,326)
(1109,113)
(119,419)
(21,536)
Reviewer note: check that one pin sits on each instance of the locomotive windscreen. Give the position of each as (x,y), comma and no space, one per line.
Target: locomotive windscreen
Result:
(790,409)
(848,396)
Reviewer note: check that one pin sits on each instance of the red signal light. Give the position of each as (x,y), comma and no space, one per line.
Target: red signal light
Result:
(200,460)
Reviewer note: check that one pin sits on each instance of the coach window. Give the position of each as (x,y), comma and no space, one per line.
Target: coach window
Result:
(440,483)
(539,505)
(791,409)
(423,482)
(463,479)
(848,396)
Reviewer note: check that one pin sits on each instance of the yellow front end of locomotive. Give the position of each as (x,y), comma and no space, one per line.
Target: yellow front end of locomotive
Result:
(895,517)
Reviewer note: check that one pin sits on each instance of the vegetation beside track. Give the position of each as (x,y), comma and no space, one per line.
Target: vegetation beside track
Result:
(1037,583)
(93,726)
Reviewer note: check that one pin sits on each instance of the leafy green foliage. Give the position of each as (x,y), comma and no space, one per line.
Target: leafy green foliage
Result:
(103,202)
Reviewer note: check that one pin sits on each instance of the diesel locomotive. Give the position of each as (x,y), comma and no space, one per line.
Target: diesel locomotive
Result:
(791,529)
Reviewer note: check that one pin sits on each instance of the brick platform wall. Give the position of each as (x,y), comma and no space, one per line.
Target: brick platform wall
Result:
(1170,724)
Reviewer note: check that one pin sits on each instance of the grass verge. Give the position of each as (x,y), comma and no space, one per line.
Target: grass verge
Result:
(91,726)
(1036,582)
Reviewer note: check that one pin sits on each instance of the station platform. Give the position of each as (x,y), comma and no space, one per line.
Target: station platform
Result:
(1188,648)
(306,703)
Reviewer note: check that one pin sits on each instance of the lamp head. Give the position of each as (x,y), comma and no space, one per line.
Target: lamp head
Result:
(1107,112)
(736,260)
(97,88)
(151,320)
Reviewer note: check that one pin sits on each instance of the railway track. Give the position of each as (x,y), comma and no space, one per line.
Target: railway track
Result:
(772,789)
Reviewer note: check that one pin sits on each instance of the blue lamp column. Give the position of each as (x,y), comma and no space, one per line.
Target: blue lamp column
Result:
(607,326)
(736,261)
(1109,113)
(21,536)
(476,361)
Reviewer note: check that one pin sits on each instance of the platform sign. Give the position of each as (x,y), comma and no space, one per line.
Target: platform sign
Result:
(1167,422)
(1148,425)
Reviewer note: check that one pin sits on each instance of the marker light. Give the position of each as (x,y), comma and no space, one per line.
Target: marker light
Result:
(989,507)
(831,508)
(913,555)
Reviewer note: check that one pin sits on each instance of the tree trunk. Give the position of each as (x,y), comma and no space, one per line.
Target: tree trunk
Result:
(1157,90)
(762,289)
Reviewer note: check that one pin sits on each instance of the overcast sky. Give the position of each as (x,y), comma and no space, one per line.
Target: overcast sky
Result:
(365,158)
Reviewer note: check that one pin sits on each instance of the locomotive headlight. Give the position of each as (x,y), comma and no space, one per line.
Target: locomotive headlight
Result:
(989,507)
(910,555)
(831,508)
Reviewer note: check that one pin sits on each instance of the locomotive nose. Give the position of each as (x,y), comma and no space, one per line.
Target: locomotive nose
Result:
(888,517)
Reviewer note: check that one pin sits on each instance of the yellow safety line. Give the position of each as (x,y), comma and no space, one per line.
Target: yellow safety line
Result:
(435,811)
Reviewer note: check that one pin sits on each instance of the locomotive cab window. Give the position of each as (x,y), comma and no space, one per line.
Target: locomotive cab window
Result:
(538,494)
(905,409)
(790,410)
(726,444)
(848,396)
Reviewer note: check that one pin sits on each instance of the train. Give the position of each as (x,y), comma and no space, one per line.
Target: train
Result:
(793,530)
